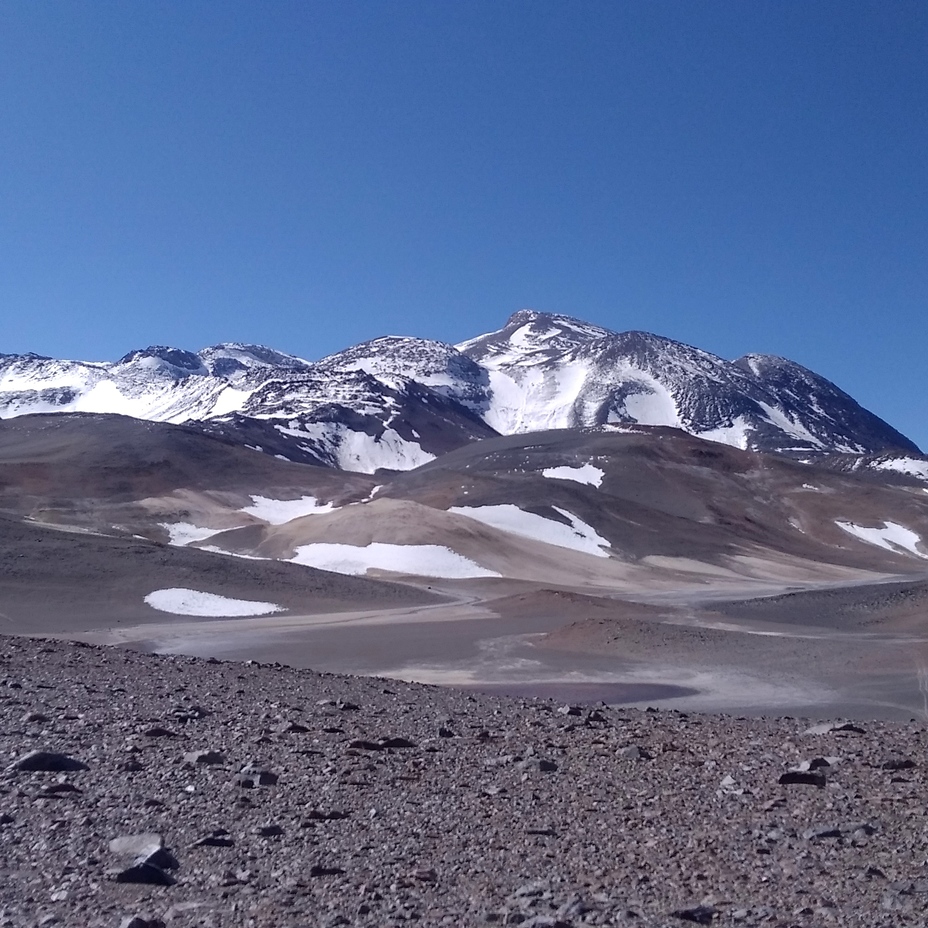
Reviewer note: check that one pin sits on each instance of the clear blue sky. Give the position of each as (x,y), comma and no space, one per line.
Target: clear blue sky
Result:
(742,176)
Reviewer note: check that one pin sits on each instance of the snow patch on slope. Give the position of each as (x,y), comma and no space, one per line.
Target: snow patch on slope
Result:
(280,511)
(362,454)
(531,399)
(589,474)
(577,536)
(911,467)
(421,560)
(789,426)
(735,434)
(185,533)
(180,601)
(230,400)
(891,536)
(653,406)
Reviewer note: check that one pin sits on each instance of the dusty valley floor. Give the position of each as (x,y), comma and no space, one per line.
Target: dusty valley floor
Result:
(855,650)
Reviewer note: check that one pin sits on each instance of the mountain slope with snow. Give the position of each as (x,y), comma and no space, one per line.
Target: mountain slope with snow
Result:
(396,403)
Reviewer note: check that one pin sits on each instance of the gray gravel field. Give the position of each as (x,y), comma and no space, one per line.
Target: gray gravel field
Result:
(142,790)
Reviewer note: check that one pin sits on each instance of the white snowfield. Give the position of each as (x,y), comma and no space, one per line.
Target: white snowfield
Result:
(653,403)
(281,511)
(422,560)
(577,536)
(185,533)
(891,536)
(180,601)
(529,398)
(589,474)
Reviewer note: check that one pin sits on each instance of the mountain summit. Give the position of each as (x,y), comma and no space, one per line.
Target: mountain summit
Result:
(397,402)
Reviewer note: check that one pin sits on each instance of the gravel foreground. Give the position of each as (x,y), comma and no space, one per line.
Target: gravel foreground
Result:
(188,792)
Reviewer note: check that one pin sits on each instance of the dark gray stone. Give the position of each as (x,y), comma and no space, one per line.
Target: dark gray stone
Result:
(321,870)
(145,872)
(252,776)
(141,921)
(50,761)
(898,763)
(206,758)
(700,914)
(802,778)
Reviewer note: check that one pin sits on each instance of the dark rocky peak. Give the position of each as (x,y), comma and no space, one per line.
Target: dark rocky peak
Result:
(529,332)
(390,348)
(772,369)
(834,416)
(437,364)
(544,324)
(654,351)
(231,359)
(28,356)
(539,371)
(30,365)
(160,359)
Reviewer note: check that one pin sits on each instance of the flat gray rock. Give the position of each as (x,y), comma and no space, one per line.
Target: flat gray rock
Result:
(139,845)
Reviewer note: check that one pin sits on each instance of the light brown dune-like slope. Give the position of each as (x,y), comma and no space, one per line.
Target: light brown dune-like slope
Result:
(670,507)
(408,523)
(515,556)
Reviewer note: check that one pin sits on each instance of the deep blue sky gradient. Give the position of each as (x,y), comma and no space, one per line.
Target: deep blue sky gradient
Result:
(745,177)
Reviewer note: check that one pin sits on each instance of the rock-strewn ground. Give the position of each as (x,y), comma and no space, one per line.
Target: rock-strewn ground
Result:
(288,798)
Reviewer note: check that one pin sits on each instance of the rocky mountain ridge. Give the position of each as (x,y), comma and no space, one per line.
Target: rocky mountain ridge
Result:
(396,403)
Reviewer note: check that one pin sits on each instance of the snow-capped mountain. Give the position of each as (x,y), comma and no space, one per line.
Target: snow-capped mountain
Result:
(550,371)
(397,403)
(231,360)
